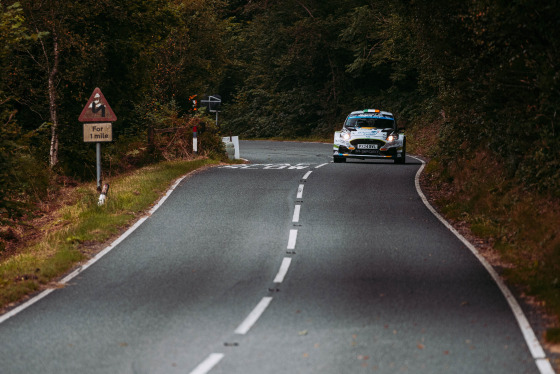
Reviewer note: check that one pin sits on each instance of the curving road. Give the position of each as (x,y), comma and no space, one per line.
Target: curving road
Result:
(289,264)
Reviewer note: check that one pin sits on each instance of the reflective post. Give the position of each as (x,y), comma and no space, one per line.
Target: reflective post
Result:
(195,140)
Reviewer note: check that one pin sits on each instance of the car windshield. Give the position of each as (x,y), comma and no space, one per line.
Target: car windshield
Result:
(376,122)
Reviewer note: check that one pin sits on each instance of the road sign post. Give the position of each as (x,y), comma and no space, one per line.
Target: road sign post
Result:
(98,164)
(213,103)
(97,118)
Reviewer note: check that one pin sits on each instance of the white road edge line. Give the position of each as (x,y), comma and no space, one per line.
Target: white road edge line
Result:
(283,270)
(253,317)
(300,191)
(307,175)
(94,259)
(292,239)
(296,213)
(531,340)
(208,364)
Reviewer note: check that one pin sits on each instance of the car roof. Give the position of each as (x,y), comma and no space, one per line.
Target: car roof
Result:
(372,112)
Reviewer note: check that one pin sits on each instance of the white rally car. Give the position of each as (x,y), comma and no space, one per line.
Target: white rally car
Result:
(370,134)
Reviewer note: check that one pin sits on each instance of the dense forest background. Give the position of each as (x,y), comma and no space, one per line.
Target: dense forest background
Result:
(465,77)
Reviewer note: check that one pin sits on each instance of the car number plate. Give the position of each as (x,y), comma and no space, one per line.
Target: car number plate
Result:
(367,146)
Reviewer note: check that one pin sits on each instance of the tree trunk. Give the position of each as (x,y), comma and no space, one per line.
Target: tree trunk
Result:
(53,159)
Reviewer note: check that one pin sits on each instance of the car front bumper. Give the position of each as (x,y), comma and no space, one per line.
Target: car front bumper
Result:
(389,153)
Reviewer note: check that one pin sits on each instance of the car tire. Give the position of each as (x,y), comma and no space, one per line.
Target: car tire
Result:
(402,159)
(338,159)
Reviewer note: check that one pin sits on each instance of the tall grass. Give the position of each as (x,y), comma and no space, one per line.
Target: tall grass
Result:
(76,228)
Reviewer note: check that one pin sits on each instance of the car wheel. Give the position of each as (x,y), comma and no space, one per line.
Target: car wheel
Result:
(402,159)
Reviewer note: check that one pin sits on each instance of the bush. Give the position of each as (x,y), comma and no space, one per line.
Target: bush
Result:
(23,179)
(162,133)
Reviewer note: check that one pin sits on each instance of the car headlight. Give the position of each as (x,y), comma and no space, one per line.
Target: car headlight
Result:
(391,138)
(345,136)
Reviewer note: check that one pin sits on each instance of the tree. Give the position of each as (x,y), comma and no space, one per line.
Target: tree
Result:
(192,58)
(292,72)
(82,45)
(47,18)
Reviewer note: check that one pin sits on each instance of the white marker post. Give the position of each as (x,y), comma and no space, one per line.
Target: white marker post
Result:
(195,140)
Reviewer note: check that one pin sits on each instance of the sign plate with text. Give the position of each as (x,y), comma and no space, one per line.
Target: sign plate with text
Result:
(98,132)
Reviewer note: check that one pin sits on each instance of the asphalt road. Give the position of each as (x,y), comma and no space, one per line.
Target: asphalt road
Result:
(290,264)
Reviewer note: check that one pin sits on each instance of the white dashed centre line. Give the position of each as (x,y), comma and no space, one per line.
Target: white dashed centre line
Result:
(283,270)
(296,213)
(207,365)
(300,191)
(292,239)
(253,317)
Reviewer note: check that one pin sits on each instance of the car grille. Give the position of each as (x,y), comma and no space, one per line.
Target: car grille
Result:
(355,142)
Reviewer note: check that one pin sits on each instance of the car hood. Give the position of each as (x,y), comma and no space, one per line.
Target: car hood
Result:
(367,133)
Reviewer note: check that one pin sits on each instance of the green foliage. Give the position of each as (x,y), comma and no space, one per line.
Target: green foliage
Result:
(192,58)
(142,54)
(493,67)
(173,144)
(211,144)
(487,71)
(23,179)
(292,69)
(12,32)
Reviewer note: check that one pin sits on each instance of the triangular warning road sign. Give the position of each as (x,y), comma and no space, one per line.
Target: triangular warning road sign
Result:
(97,109)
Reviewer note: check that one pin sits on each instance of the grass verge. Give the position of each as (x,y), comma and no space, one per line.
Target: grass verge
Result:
(75,231)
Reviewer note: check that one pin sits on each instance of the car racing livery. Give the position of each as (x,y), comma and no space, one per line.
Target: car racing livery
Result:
(370,134)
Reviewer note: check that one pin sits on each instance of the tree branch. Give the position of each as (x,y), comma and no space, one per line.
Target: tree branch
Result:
(10,118)
(304,7)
